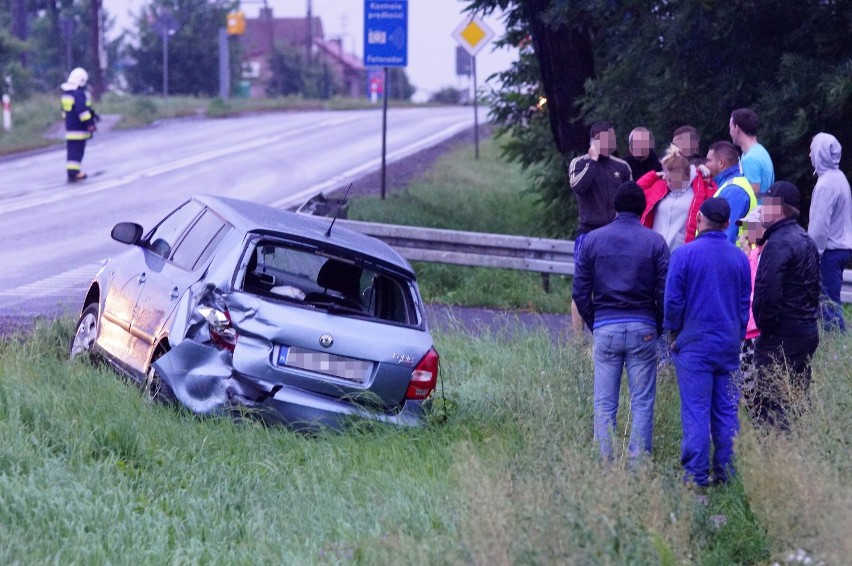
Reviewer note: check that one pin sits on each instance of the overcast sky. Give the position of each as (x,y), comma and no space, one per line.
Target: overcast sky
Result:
(431,47)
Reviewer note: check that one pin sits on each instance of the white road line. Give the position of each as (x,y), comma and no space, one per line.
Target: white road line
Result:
(342,178)
(57,284)
(97,187)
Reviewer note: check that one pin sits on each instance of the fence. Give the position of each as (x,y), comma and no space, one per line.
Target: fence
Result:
(542,255)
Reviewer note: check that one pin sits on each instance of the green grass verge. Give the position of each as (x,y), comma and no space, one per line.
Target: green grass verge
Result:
(91,473)
(485,195)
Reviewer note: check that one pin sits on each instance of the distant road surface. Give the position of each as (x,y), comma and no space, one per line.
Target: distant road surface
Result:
(55,236)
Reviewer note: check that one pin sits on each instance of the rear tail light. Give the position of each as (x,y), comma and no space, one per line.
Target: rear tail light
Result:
(424,377)
(222,333)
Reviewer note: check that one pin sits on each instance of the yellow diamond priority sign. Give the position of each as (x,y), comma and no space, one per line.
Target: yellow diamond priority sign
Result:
(473,35)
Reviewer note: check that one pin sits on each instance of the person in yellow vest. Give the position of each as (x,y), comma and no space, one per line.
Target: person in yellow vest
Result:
(80,120)
(723,164)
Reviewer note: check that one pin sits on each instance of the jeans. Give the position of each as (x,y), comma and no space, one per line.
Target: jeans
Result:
(630,345)
(831,266)
(708,412)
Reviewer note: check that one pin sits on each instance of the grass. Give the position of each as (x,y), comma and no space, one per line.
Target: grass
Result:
(487,195)
(90,472)
(31,118)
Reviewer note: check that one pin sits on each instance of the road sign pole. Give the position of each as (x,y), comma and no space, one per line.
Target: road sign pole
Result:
(475,113)
(224,65)
(385,94)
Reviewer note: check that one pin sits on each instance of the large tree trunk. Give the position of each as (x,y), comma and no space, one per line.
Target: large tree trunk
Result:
(566,60)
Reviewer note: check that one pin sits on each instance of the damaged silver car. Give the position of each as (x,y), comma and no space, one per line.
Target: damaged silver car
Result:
(227,304)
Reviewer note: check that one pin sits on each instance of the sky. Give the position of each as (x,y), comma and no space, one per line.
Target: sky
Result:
(431,47)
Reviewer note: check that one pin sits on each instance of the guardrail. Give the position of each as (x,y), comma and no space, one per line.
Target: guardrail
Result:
(543,255)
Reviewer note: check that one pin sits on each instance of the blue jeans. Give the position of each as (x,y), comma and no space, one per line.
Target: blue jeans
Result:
(831,266)
(631,345)
(708,411)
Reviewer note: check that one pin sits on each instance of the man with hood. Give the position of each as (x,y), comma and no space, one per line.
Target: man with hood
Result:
(830,225)
(79,121)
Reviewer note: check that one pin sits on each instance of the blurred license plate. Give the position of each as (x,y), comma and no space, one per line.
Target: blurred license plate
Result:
(328,364)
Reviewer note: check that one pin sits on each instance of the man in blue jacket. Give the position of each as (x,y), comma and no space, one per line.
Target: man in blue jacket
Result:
(706,313)
(618,289)
(80,121)
(724,165)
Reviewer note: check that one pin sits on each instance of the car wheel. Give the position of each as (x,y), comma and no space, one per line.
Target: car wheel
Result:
(85,333)
(153,386)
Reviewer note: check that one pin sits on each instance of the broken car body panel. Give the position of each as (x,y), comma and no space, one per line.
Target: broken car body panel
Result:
(240,305)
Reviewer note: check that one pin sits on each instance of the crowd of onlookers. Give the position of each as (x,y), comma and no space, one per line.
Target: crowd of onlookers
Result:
(701,260)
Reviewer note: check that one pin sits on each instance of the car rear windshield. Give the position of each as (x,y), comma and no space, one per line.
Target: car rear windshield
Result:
(313,279)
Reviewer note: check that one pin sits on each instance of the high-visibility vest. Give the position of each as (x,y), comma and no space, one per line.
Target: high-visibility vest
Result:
(742,183)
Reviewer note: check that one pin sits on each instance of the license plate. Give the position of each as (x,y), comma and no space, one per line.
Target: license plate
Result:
(328,364)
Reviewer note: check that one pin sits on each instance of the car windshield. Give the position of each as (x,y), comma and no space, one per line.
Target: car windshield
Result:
(313,279)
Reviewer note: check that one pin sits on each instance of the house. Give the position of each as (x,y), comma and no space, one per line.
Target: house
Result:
(264,33)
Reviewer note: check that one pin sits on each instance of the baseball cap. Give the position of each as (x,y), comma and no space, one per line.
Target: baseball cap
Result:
(716,209)
(786,191)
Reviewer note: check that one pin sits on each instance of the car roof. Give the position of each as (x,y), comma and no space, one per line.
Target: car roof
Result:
(251,217)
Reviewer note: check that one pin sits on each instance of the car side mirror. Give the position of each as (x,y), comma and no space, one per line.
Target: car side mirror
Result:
(127,233)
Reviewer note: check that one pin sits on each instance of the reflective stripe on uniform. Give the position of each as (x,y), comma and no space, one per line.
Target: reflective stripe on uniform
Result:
(742,183)
(77,136)
(67,102)
(84,116)
(73,165)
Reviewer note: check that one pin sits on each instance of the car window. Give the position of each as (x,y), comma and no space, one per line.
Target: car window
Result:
(162,239)
(311,279)
(200,240)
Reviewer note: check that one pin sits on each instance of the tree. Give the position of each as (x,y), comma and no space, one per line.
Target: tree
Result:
(399,88)
(193,52)
(292,74)
(666,63)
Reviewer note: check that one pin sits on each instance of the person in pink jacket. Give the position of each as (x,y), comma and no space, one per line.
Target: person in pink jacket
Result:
(673,198)
(751,242)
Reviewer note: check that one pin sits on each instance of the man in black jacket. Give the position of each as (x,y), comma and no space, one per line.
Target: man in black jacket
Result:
(595,177)
(786,305)
(619,289)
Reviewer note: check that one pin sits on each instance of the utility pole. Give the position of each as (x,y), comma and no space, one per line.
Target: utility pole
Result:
(95,49)
(19,24)
(310,32)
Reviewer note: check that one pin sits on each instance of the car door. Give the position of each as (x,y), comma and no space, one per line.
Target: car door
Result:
(168,279)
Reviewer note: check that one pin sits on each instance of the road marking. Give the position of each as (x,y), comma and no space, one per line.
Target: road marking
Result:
(97,187)
(369,166)
(56,284)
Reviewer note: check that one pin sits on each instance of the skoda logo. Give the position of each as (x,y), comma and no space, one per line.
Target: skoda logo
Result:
(326,340)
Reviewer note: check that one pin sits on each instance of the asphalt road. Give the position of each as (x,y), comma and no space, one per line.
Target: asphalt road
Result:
(54,236)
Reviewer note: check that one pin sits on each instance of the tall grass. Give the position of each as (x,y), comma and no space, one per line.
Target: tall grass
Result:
(90,472)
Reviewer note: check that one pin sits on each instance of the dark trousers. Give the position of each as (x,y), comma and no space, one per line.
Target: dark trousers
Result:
(831,266)
(75,151)
(777,356)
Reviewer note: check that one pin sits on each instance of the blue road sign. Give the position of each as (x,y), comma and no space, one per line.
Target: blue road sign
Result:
(386,33)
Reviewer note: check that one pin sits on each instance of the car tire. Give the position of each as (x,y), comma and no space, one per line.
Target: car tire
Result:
(85,333)
(153,386)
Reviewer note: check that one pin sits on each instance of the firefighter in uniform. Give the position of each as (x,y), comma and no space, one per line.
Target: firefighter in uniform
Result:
(80,121)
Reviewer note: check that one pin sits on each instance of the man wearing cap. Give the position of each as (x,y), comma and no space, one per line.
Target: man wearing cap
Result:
(706,313)
(619,289)
(786,305)
(80,120)
(830,225)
